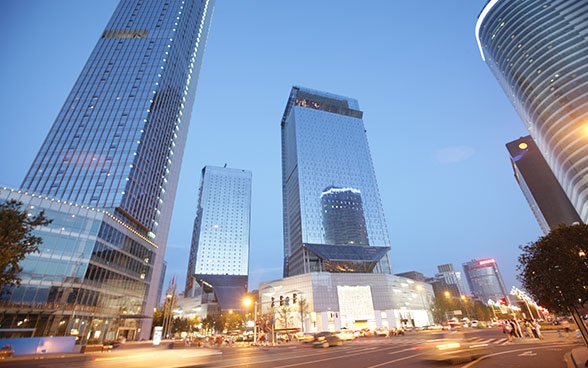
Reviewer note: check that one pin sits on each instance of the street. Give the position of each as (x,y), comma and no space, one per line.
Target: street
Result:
(372,352)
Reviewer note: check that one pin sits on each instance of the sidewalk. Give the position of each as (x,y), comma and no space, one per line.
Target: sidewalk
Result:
(578,357)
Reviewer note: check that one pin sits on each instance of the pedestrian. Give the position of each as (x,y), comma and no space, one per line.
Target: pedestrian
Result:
(529,329)
(537,330)
(507,329)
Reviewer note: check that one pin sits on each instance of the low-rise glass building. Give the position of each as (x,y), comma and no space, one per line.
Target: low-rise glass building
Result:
(89,279)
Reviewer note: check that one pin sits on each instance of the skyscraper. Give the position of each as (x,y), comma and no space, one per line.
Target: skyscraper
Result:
(547,200)
(485,280)
(333,216)
(538,52)
(219,257)
(452,279)
(116,148)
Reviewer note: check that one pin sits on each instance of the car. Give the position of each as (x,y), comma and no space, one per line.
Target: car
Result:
(381,331)
(6,351)
(305,337)
(326,339)
(453,347)
(346,335)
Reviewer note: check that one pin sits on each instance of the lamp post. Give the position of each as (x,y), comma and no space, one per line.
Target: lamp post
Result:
(247,302)
(167,315)
(448,298)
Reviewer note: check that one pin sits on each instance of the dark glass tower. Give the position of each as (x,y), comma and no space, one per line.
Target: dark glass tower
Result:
(547,200)
(485,280)
(333,216)
(538,52)
(115,151)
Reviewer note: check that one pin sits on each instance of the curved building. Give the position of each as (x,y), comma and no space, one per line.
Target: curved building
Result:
(538,51)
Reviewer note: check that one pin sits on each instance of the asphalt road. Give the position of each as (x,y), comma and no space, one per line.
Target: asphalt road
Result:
(363,353)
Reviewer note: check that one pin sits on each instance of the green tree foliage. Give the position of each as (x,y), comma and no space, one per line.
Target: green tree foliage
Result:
(554,269)
(438,310)
(158,317)
(481,311)
(17,240)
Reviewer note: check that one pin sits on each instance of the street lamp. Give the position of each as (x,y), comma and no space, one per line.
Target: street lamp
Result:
(167,315)
(247,303)
(448,298)
(465,301)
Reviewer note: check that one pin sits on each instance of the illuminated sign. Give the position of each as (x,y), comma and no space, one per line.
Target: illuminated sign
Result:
(486,262)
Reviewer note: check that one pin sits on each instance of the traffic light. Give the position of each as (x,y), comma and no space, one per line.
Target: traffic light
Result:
(294,298)
(287,299)
(281,301)
(273,302)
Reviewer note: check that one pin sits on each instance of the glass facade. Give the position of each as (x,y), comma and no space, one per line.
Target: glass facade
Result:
(90,278)
(330,194)
(485,280)
(220,241)
(538,52)
(117,145)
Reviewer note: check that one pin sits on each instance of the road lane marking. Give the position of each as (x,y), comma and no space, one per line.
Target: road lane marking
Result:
(393,361)
(470,364)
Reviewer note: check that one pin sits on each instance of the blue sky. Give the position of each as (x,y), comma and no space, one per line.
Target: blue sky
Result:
(437,121)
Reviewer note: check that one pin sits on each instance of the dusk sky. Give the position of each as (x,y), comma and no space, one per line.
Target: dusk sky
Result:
(437,121)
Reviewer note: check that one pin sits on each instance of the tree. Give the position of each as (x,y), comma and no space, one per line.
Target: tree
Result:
(303,308)
(554,270)
(17,240)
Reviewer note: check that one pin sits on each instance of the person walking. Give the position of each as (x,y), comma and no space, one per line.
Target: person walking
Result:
(507,329)
(537,330)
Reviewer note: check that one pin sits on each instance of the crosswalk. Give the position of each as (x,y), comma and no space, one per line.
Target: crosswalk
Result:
(412,341)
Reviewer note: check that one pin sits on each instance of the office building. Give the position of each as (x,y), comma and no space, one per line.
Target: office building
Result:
(333,216)
(547,200)
(219,257)
(538,52)
(484,280)
(452,279)
(115,151)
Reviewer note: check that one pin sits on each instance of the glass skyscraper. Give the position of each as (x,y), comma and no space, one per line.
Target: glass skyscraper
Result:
(116,147)
(485,280)
(547,200)
(219,257)
(538,52)
(333,216)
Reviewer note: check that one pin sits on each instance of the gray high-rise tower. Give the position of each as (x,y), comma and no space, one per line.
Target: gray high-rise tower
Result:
(111,161)
(333,216)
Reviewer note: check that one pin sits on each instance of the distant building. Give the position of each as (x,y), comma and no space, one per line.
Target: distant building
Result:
(537,51)
(333,215)
(107,175)
(219,257)
(453,280)
(414,275)
(485,280)
(545,196)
